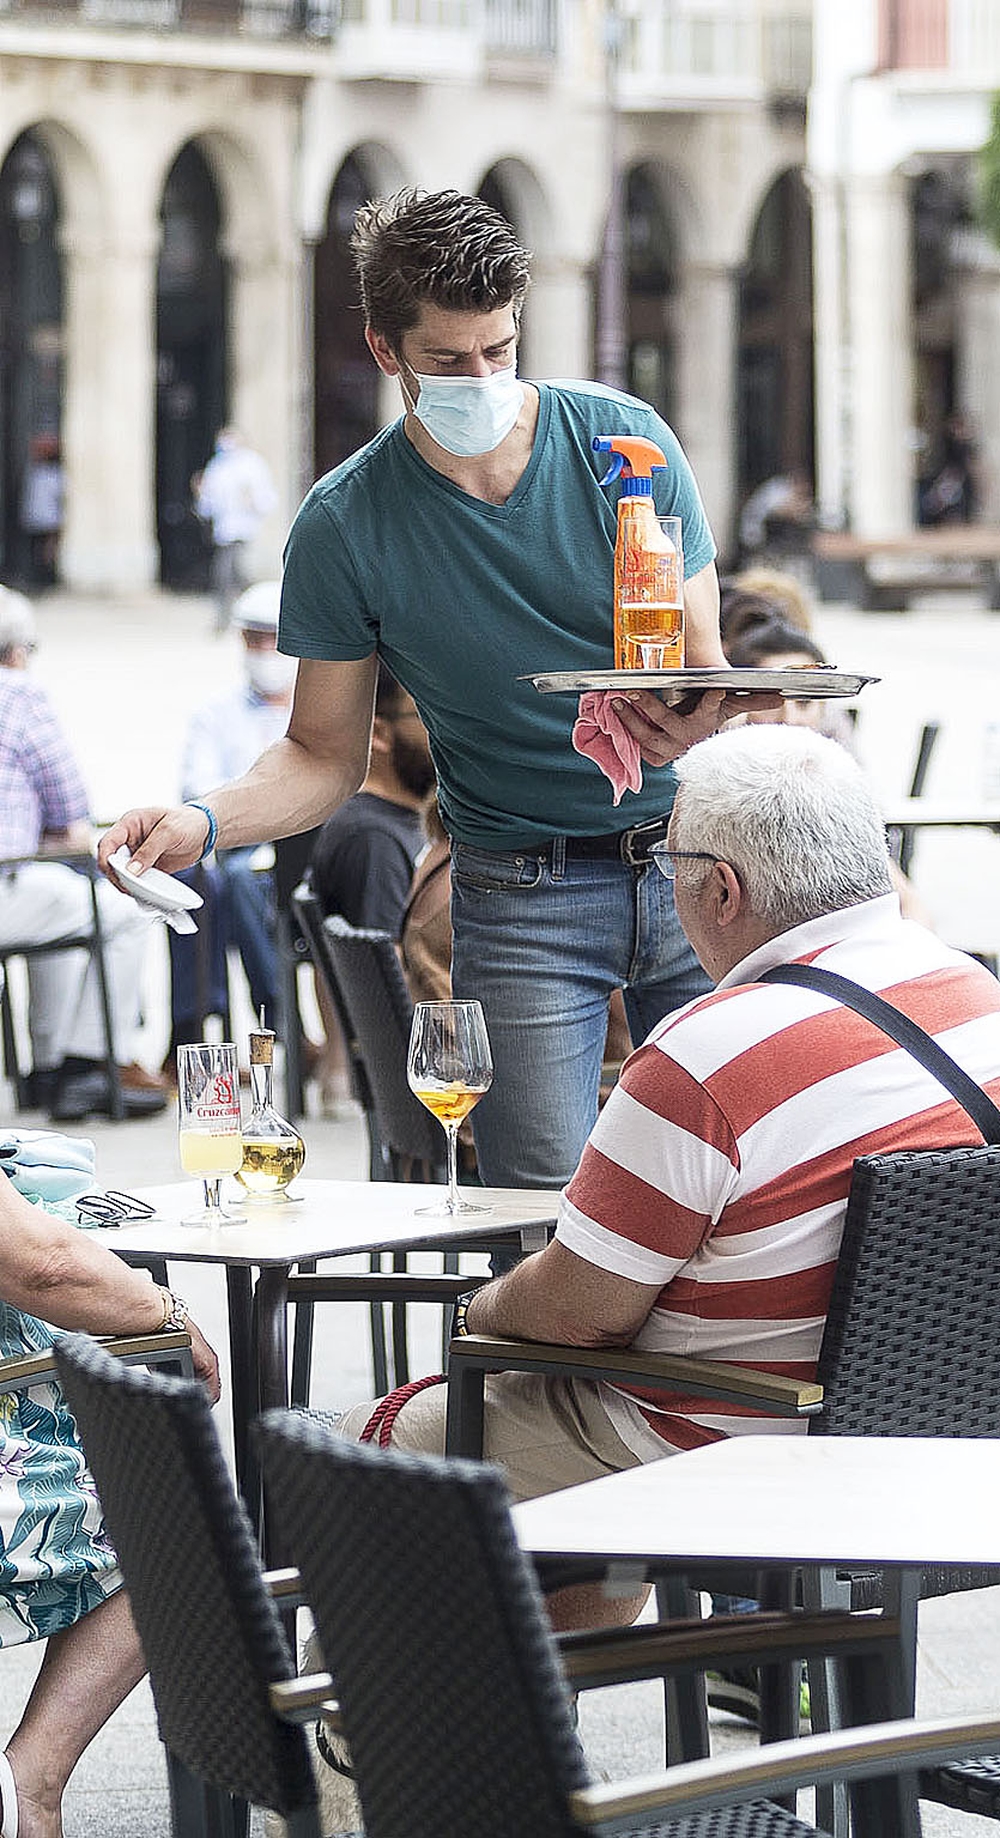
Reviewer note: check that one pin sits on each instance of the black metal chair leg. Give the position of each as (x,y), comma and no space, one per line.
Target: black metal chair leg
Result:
(685,1708)
(302,1343)
(200,1811)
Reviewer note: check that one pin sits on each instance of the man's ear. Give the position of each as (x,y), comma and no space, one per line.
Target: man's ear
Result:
(382,352)
(729,893)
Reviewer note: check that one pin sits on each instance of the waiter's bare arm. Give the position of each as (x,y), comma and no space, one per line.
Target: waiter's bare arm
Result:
(319,762)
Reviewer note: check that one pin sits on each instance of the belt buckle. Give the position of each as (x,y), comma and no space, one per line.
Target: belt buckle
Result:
(634,845)
(626,848)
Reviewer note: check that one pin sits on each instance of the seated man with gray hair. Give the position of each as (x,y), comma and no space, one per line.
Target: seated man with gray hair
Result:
(44,810)
(706,1213)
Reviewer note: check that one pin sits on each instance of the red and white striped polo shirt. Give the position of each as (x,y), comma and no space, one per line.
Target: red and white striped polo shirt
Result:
(719,1168)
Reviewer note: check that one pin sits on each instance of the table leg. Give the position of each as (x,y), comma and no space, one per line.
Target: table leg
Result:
(887,1807)
(239,1293)
(271,1335)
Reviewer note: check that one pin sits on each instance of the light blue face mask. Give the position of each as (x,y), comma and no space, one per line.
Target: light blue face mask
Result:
(469,415)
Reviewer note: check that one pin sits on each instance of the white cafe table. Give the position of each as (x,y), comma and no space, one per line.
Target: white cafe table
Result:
(329,1219)
(792,1502)
(865,1502)
(816,1503)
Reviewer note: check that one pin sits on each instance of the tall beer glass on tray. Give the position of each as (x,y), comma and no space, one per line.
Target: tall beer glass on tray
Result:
(649,599)
(449,1067)
(209,1123)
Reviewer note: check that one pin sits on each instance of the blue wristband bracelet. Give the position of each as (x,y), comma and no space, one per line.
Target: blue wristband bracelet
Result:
(213,827)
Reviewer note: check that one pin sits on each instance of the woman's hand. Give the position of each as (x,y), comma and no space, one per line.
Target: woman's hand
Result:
(206,1364)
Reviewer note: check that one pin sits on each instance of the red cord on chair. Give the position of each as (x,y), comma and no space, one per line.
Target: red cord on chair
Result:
(387,1409)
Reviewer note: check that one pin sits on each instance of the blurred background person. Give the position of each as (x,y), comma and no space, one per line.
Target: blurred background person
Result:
(224,737)
(233,495)
(949,492)
(364,856)
(777,646)
(42,508)
(778,514)
(43,808)
(788,598)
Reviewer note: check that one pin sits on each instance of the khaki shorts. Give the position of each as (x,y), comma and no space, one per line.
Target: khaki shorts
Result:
(547,1433)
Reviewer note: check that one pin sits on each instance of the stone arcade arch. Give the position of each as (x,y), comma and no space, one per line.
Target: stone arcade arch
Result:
(226,278)
(775,413)
(191,360)
(652,277)
(511,188)
(31,348)
(346,386)
(350,399)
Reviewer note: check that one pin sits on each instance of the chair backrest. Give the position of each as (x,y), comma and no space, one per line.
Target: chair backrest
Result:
(910,1346)
(291,859)
(925,748)
(380,1008)
(309,914)
(429,1617)
(211,1635)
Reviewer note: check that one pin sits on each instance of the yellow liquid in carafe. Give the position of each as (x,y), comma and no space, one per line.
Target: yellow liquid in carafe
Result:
(270,1164)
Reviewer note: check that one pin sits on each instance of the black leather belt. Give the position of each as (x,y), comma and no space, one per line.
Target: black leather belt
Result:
(632,846)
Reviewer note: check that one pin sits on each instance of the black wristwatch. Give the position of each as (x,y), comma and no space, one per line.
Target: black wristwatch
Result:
(461,1310)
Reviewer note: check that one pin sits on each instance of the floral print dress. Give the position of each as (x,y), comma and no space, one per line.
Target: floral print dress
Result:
(56,1563)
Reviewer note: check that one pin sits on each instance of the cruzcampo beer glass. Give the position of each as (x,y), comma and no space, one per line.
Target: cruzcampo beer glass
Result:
(210,1131)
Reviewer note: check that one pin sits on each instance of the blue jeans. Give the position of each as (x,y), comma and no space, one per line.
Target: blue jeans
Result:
(238,911)
(543,941)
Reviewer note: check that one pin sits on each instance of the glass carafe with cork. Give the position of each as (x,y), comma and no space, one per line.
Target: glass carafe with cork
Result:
(273,1150)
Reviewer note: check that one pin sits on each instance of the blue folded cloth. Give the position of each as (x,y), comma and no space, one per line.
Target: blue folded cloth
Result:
(46,1165)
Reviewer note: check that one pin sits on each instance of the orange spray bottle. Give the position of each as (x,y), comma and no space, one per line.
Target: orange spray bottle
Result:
(649,564)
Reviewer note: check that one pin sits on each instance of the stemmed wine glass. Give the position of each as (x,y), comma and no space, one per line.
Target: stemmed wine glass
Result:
(209,1123)
(449,1067)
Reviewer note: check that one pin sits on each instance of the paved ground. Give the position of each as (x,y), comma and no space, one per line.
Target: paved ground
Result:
(125,678)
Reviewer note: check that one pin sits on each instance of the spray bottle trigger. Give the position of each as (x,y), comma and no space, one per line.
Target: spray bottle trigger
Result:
(615,469)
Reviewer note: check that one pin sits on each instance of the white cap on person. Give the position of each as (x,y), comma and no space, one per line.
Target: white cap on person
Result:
(17,621)
(258,606)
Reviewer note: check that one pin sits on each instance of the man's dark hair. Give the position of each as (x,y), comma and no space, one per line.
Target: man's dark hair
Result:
(440,247)
(388,693)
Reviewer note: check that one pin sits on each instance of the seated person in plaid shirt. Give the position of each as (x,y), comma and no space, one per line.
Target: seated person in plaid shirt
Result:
(43,807)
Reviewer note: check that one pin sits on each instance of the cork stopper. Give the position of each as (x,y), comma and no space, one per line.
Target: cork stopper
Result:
(262,1047)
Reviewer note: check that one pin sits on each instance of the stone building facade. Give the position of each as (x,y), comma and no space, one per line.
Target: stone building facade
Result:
(177,179)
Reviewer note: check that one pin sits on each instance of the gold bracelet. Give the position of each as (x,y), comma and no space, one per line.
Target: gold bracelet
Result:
(168,1304)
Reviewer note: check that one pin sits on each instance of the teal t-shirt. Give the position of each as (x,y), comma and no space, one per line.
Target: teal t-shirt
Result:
(460,597)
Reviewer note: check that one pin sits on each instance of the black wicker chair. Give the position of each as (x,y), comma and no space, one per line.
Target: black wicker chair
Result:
(371,981)
(363,975)
(209,1629)
(449,1685)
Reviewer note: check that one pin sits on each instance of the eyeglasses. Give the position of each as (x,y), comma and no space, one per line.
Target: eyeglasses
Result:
(666,859)
(112,1208)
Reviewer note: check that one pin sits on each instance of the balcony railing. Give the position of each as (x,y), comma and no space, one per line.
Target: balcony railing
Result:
(698,50)
(314,19)
(671,51)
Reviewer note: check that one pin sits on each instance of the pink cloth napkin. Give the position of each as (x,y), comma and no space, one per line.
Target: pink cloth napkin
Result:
(602,736)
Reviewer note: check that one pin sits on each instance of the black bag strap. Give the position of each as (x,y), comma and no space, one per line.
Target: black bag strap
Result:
(903,1031)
